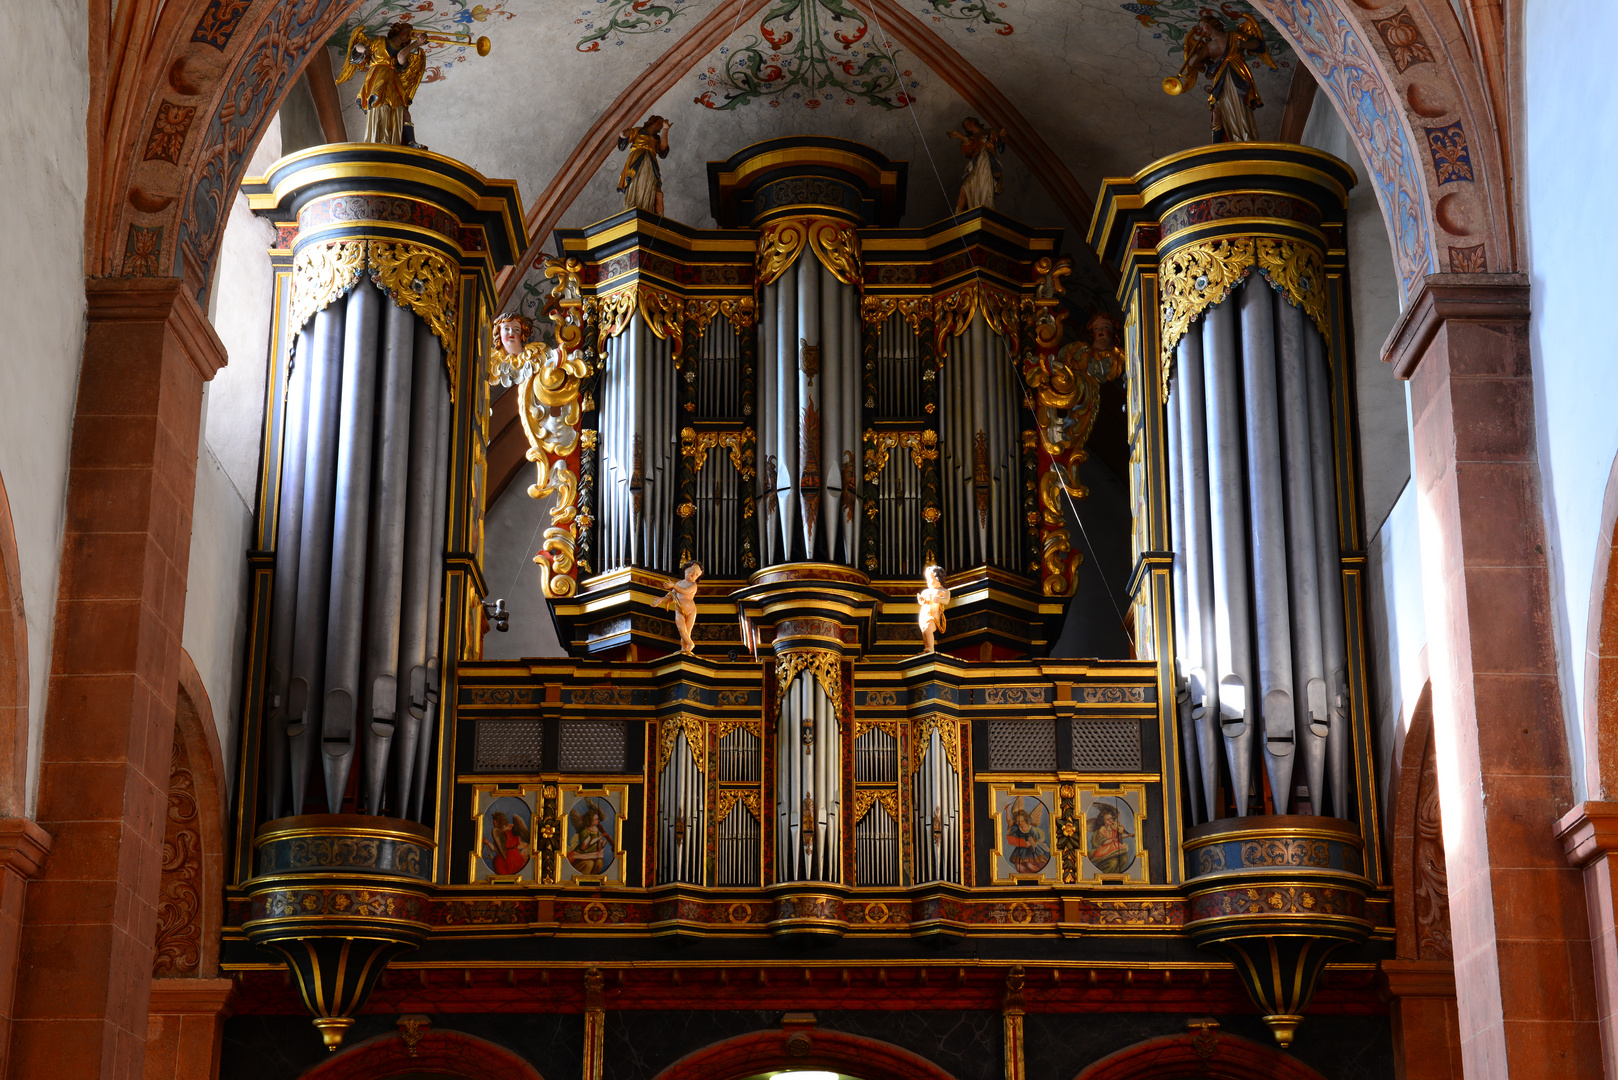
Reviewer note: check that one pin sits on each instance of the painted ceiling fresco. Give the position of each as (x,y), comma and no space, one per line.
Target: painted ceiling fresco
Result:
(1085,74)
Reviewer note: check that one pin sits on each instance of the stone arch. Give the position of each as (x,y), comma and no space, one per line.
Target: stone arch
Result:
(1420,874)
(1209,1053)
(431,1051)
(760,1051)
(190,900)
(13,671)
(1600,712)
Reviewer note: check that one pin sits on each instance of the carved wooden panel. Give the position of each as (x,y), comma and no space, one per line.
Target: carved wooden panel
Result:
(1431,878)
(179,905)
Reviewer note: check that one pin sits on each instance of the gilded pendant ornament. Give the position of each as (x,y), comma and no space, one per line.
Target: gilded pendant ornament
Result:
(921,738)
(1198,276)
(695,445)
(669,733)
(664,314)
(742,312)
(549,410)
(836,244)
(826,667)
(729,797)
(875,310)
(1001,309)
(416,278)
(864,797)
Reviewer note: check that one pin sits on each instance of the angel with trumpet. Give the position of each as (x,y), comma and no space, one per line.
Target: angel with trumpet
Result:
(1220,54)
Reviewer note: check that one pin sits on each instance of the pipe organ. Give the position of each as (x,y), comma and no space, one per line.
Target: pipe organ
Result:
(816,404)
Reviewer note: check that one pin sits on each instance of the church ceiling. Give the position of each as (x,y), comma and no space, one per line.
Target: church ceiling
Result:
(1078,83)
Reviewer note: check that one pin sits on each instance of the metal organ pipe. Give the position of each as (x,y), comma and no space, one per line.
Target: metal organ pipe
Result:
(307,688)
(809,476)
(1228,545)
(288,530)
(384,596)
(1310,721)
(1191,417)
(833,409)
(435,600)
(1182,605)
(938,813)
(785,362)
(1334,634)
(349,533)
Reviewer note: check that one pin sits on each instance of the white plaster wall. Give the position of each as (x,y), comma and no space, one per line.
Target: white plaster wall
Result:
(1397,622)
(228,459)
(1373,301)
(511,534)
(1570,178)
(44,170)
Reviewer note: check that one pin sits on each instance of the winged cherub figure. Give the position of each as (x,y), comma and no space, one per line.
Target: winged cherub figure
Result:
(394,64)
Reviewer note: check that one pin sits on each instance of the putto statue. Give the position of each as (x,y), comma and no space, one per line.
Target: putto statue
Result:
(642,180)
(682,600)
(980,182)
(394,64)
(513,357)
(930,605)
(1220,53)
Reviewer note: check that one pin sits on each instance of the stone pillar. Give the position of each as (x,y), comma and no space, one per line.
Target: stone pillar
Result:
(1426,1044)
(23,846)
(1589,834)
(1527,1005)
(85,974)
(186,1028)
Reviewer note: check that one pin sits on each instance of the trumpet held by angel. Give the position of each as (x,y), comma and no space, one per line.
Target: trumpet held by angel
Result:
(1220,54)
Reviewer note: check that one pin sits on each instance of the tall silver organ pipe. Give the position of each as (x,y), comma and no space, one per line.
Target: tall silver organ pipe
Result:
(355,608)
(876,847)
(898,371)
(809,414)
(808,783)
(639,449)
(937,791)
(978,400)
(1250,420)
(681,815)
(719,372)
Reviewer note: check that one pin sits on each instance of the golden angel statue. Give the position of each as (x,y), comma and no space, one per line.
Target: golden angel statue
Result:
(930,605)
(394,64)
(682,600)
(1220,53)
(642,179)
(980,182)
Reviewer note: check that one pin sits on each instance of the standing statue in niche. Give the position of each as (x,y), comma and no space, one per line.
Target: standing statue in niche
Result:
(394,64)
(930,605)
(642,179)
(1220,54)
(980,182)
(682,600)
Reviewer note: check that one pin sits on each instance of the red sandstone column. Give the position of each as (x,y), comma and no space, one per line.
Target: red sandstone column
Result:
(23,846)
(1589,834)
(85,974)
(1426,1045)
(1526,993)
(187,1028)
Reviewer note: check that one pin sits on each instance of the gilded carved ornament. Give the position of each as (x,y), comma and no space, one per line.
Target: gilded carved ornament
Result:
(864,797)
(921,738)
(742,312)
(923,447)
(663,312)
(416,278)
(549,410)
(695,445)
(669,732)
(835,243)
(729,797)
(875,310)
(1201,275)
(1000,308)
(826,667)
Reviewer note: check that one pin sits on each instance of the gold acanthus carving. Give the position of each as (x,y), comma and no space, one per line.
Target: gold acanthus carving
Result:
(826,667)
(663,312)
(669,733)
(729,797)
(740,310)
(1201,275)
(549,410)
(876,310)
(923,447)
(724,728)
(695,445)
(1000,308)
(921,737)
(416,278)
(835,243)
(889,726)
(864,797)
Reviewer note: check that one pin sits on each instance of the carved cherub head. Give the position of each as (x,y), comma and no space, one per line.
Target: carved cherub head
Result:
(934,576)
(1102,330)
(512,331)
(692,571)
